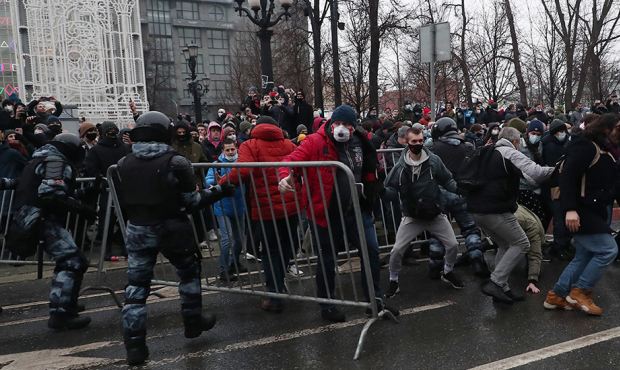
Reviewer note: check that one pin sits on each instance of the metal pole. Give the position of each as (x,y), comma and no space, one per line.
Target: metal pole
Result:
(266,66)
(432,71)
(197,104)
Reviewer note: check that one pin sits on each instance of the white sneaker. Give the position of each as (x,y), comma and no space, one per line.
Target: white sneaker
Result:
(295,271)
(251,257)
(212,235)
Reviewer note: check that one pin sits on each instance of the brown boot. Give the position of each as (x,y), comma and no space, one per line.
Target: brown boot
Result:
(555,302)
(582,299)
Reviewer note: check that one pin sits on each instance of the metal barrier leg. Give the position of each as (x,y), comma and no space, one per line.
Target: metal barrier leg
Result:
(104,245)
(360,342)
(40,260)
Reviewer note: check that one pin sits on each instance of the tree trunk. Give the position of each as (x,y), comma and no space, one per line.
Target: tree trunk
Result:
(463,59)
(568,94)
(595,77)
(335,54)
(316,42)
(516,55)
(375,44)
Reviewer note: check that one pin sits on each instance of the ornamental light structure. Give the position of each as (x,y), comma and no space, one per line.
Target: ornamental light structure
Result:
(198,88)
(263,14)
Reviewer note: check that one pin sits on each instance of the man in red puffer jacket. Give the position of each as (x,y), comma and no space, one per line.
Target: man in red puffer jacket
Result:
(269,208)
(330,200)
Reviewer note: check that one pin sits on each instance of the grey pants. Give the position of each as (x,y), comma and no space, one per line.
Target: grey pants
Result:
(441,229)
(511,242)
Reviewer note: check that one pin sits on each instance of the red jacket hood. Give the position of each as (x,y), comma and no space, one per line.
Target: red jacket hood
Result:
(268,132)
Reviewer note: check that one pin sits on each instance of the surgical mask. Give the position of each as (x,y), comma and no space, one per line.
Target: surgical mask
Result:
(341,134)
(495,132)
(232,158)
(534,139)
(416,148)
(232,137)
(561,136)
(8,108)
(91,136)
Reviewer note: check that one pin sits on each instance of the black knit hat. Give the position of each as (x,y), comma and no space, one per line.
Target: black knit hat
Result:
(556,126)
(266,119)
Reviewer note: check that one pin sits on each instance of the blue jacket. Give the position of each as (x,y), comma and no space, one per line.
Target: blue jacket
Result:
(226,206)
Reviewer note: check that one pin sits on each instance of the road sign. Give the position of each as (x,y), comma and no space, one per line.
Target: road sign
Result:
(443,47)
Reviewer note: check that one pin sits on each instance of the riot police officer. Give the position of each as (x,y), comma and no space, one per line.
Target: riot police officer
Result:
(158,189)
(45,192)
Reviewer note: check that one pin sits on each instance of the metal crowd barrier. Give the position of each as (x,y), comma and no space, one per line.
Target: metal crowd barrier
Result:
(79,229)
(276,241)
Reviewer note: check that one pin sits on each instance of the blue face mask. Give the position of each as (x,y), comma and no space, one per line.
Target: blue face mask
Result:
(534,139)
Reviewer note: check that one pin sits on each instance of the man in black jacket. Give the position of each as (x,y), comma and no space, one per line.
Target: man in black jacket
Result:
(107,152)
(303,112)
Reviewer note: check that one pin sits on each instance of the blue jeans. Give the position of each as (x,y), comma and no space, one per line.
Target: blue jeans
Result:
(232,231)
(325,274)
(592,253)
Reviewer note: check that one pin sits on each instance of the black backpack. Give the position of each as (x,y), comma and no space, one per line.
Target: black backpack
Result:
(470,176)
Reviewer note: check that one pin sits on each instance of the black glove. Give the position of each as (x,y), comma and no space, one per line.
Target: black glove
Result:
(74,205)
(228,190)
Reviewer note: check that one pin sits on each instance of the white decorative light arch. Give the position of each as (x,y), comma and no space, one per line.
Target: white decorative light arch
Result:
(86,53)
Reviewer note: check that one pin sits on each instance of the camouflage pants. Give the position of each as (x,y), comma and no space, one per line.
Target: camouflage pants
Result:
(456,206)
(143,245)
(70,268)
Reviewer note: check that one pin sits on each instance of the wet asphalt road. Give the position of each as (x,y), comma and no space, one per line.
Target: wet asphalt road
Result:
(450,329)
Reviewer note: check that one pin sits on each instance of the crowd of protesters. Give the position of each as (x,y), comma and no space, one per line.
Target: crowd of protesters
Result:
(505,175)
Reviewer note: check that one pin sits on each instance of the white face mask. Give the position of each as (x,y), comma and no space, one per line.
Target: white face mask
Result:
(232,158)
(495,132)
(232,137)
(534,139)
(341,134)
(9,108)
(561,136)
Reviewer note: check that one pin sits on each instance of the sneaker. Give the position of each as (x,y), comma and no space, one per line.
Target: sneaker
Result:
(294,271)
(194,326)
(493,290)
(392,290)
(333,314)
(251,257)
(67,322)
(555,302)
(212,235)
(582,299)
(271,305)
(516,297)
(452,279)
(381,305)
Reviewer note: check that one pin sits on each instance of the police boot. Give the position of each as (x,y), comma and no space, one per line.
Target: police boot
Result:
(137,351)
(195,325)
(66,321)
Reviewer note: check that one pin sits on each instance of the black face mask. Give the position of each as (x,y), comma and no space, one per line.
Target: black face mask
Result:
(113,135)
(91,136)
(416,148)
(183,138)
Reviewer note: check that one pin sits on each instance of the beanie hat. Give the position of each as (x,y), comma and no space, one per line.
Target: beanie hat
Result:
(556,126)
(53,120)
(244,126)
(43,127)
(230,124)
(301,128)
(266,119)
(536,125)
(108,126)
(344,113)
(84,127)
(517,123)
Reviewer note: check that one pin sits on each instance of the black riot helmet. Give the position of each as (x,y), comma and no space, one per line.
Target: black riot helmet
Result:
(70,146)
(151,126)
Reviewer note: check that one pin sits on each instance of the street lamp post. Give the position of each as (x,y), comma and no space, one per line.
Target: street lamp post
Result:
(196,88)
(264,21)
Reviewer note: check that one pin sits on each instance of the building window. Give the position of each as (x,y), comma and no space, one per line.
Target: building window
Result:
(220,88)
(216,13)
(158,18)
(200,65)
(190,36)
(219,64)
(217,39)
(188,10)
